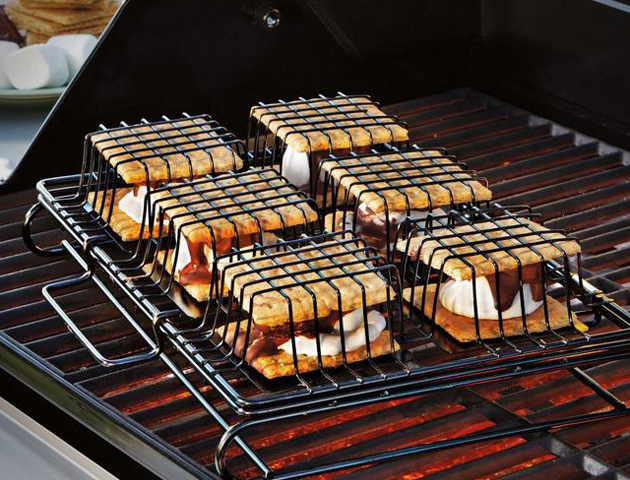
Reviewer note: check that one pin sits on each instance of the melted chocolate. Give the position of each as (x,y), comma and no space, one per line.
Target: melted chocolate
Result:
(305,328)
(375,233)
(368,226)
(8,31)
(509,285)
(263,347)
(198,271)
(259,344)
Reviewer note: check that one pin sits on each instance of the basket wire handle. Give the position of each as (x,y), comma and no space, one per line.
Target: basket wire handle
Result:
(55,251)
(156,346)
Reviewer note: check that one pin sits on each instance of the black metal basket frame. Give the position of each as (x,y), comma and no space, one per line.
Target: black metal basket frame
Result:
(212,210)
(89,247)
(342,393)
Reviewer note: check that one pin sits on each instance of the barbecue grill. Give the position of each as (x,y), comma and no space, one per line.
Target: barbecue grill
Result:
(167,399)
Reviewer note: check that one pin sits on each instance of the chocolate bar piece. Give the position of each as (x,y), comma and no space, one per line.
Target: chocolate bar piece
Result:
(8,31)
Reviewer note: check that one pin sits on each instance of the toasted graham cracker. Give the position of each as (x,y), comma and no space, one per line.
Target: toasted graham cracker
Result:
(413,174)
(66,4)
(152,145)
(41,23)
(462,243)
(333,222)
(281,364)
(272,308)
(123,225)
(35,36)
(67,17)
(463,328)
(278,214)
(341,117)
(262,194)
(49,29)
(69,3)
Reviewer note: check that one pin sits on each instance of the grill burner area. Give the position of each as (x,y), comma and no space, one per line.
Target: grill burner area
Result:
(576,182)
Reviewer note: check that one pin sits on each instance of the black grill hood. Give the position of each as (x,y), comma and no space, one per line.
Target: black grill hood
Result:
(564,59)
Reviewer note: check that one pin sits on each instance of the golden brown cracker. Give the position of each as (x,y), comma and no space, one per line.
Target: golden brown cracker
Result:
(65,17)
(345,120)
(415,176)
(66,4)
(123,225)
(464,239)
(319,295)
(245,204)
(171,150)
(463,328)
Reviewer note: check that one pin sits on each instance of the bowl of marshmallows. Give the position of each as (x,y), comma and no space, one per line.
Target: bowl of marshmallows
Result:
(42,67)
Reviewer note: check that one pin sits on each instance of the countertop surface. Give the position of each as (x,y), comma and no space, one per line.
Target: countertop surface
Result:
(18,126)
(28,451)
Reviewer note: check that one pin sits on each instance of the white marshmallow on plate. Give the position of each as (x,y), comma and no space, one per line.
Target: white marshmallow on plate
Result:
(6,48)
(37,66)
(77,48)
(5,169)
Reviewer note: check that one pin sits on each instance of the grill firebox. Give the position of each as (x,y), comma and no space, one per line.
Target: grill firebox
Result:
(578,184)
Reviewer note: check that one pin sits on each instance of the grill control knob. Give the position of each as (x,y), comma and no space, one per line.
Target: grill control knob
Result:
(270,17)
(265,15)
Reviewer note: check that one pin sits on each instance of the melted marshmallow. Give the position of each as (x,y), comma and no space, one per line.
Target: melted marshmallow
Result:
(183,255)
(330,343)
(296,167)
(457,296)
(133,205)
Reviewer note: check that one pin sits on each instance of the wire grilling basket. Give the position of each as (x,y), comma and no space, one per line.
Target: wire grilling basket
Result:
(236,271)
(294,136)
(375,192)
(497,256)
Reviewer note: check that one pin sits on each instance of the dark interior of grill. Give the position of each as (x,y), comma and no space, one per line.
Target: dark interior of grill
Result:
(532,95)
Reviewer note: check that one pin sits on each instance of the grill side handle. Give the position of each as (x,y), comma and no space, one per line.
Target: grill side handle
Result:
(155,344)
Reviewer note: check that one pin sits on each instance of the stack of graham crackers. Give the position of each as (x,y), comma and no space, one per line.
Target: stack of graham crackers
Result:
(43,19)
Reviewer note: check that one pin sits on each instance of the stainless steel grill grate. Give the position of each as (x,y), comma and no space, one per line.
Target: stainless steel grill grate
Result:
(487,135)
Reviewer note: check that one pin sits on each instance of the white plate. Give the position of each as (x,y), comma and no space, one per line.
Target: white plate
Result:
(43,96)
